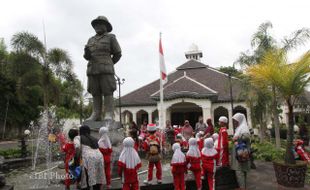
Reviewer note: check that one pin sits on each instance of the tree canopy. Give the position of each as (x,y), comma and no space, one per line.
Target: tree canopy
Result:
(32,77)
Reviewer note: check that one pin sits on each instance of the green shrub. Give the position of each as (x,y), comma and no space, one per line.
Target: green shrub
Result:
(10,153)
(283,133)
(267,152)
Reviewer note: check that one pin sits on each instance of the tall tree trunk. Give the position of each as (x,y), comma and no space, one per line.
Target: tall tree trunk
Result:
(276,118)
(289,156)
(262,129)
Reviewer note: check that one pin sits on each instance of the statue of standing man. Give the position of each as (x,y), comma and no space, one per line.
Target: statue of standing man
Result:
(102,52)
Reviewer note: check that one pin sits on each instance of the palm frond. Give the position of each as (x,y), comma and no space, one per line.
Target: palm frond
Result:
(262,38)
(297,38)
(29,43)
(294,77)
(245,60)
(60,62)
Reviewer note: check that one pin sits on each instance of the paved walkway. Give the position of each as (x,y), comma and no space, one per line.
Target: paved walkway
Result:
(263,178)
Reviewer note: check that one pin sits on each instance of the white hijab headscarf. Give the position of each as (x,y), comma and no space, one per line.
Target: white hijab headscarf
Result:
(178,155)
(104,141)
(209,149)
(242,127)
(215,138)
(199,135)
(223,119)
(129,155)
(193,150)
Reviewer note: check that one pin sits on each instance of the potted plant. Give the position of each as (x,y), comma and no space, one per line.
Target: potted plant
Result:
(290,81)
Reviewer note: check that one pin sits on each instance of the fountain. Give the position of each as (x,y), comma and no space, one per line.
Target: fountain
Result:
(44,139)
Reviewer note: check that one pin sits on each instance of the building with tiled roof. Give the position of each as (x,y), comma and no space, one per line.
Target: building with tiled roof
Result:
(194,89)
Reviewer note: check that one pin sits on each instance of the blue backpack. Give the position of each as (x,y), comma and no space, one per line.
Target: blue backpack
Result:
(75,172)
(242,152)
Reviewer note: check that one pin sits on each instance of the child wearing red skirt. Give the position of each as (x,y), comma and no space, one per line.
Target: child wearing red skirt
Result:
(106,150)
(209,156)
(222,143)
(128,165)
(69,149)
(193,160)
(178,167)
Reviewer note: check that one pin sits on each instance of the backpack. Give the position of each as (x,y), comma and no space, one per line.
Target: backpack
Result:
(154,147)
(242,152)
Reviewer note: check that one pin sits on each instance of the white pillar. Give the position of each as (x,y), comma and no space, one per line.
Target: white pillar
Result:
(134,116)
(206,110)
(149,114)
(165,117)
(206,113)
(168,115)
(164,113)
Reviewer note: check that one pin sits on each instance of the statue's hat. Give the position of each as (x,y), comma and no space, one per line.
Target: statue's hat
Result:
(102,19)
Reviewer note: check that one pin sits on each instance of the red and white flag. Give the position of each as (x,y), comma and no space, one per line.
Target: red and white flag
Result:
(163,72)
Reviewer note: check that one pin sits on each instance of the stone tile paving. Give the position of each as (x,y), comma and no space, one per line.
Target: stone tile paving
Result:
(263,178)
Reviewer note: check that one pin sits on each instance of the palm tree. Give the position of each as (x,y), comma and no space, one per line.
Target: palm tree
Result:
(289,80)
(52,61)
(263,42)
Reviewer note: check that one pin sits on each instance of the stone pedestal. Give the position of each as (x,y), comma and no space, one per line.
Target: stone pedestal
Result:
(116,134)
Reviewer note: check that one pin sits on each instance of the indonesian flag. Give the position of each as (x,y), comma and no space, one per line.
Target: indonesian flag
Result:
(163,72)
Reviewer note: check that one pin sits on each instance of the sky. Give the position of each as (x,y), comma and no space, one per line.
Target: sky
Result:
(221,29)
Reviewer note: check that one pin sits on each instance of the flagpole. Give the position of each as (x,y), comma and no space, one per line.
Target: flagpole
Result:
(161,103)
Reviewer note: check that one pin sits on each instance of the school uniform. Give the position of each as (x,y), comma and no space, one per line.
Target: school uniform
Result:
(209,156)
(128,165)
(193,160)
(178,167)
(106,151)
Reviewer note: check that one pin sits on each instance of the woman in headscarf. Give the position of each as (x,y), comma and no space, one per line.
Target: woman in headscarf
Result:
(187,130)
(128,164)
(106,150)
(193,160)
(210,128)
(209,156)
(242,134)
(178,167)
(92,161)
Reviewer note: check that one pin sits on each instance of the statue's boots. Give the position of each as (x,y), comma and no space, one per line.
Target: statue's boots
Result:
(108,107)
(97,109)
